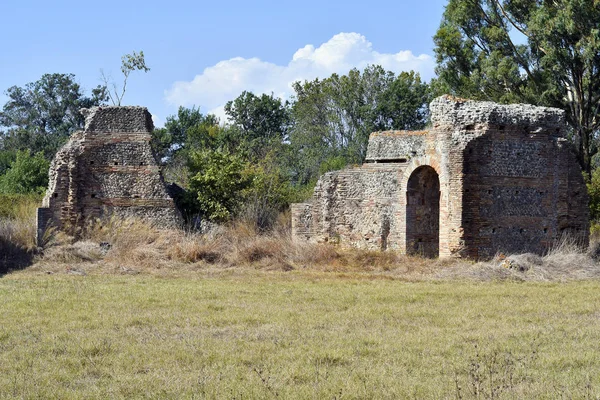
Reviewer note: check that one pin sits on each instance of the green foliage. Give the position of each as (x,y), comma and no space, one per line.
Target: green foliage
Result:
(160,142)
(218,178)
(27,174)
(6,158)
(227,186)
(332,164)
(545,53)
(270,153)
(19,206)
(41,115)
(129,63)
(178,126)
(269,194)
(187,130)
(593,187)
(334,117)
(259,123)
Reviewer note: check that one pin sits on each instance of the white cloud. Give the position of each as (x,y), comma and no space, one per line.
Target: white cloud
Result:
(227,79)
(157,121)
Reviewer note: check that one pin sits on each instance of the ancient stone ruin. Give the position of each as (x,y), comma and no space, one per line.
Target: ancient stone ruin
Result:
(485,178)
(107,169)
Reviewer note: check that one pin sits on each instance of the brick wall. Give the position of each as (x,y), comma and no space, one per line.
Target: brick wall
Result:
(107,169)
(506,180)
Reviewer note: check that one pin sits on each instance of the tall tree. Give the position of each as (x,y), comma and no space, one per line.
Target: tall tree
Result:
(183,133)
(261,122)
(534,51)
(183,130)
(334,117)
(41,115)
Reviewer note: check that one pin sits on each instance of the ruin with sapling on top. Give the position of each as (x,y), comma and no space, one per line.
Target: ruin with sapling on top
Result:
(107,169)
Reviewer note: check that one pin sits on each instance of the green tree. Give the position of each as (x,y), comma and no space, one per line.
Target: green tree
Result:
(334,117)
(173,138)
(403,105)
(27,174)
(270,193)
(218,178)
(183,133)
(6,159)
(129,63)
(532,51)
(259,123)
(41,115)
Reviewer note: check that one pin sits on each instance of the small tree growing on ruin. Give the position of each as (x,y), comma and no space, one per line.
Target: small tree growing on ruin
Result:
(129,63)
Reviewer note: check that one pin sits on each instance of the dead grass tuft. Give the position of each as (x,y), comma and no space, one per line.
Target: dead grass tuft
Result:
(565,261)
(193,248)
(133,245)
(17,234)
(82,251)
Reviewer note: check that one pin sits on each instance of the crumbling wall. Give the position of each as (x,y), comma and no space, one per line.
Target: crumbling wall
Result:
(356,207)
(508,182)
(107,169)
(521,186)
(360,206)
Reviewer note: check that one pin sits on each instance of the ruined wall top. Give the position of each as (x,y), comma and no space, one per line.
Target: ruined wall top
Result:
(107,119)
(390,146)
(448,110)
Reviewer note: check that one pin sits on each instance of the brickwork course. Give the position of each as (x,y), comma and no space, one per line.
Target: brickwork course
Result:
(484,179)
(108,169)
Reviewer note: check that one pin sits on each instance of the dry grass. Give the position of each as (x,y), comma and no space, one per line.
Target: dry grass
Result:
(131,245)
(564,262)
(267,335)
(17,231)
(17,220)
(135,247)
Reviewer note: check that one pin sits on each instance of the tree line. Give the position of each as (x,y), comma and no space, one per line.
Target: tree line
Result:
(269,152)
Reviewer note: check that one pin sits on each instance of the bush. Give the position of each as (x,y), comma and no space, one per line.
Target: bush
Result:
(218,178)
(593,187)
(269,195)
(27,174)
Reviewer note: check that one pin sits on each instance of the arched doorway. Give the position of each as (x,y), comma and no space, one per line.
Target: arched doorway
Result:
(423,212)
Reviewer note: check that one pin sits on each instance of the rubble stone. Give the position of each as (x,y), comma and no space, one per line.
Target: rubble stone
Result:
(485,178)
(107,169)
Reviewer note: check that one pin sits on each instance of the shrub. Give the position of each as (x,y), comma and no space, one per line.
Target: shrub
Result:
(593,187)
(27,174)
(218,178)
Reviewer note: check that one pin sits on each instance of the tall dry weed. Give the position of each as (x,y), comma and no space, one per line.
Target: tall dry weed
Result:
(17,220)
(136,244)
(17,232)
(566,260)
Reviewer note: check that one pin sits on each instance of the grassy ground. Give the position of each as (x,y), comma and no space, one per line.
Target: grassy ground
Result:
(254,334)
(129,311)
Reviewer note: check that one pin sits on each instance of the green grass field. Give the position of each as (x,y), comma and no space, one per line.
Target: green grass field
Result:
(254,334)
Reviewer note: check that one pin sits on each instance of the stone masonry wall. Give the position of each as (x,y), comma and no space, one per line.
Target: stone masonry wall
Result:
(107,169)
(508,182)
(355,206)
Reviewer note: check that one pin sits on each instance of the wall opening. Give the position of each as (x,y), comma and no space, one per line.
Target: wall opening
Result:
(423,213)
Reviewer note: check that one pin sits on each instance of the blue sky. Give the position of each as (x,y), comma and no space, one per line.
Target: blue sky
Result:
(205,53)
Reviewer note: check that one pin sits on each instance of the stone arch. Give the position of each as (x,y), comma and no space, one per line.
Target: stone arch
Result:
(423,212)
